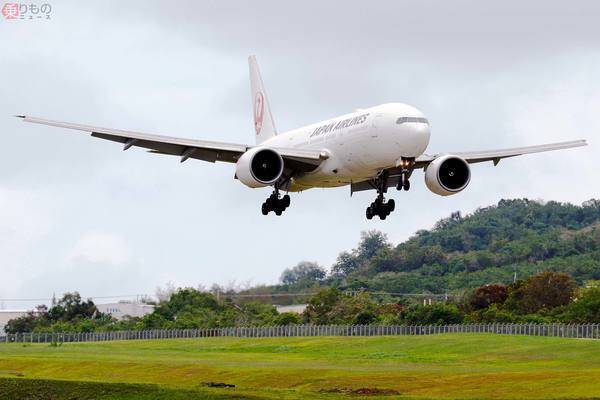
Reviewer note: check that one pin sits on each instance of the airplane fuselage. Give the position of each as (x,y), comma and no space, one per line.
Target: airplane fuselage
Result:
(359,144)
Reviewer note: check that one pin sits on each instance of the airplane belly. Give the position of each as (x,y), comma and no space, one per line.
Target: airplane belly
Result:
(339,169)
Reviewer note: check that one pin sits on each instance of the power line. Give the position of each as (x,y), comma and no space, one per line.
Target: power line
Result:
(83,297)
(267,294)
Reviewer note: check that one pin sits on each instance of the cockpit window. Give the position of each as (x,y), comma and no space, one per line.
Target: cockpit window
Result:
(402,120)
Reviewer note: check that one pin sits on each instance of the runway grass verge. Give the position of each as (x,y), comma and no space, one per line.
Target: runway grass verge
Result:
(449,366)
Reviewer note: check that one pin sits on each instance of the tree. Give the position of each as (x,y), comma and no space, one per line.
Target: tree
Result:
(545,290)
(23,324)
(436,314)
(585,309)
(487,295)
(71,308)
(359,309)
(370,243)
(491,315)
(287,318)
(165,294)
(154,321)
(187,299)
(330,306)
(305,272)
(320,305)
(344,265)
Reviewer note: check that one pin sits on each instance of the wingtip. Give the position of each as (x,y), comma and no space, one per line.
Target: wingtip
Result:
(20,116)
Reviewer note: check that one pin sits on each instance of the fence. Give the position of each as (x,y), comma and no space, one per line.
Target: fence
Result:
(585,331)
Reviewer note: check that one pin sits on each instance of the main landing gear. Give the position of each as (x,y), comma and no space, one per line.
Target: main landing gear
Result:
(276,204)
(380,207)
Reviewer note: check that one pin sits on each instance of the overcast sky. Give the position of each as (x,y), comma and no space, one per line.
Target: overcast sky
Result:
(77,213)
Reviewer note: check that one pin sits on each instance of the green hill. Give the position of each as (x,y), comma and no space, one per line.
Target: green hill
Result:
(462,252)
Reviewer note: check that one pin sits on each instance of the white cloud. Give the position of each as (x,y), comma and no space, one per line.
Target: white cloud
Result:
(100,248)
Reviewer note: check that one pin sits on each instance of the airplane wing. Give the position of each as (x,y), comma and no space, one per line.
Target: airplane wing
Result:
(297,159)
(471,157)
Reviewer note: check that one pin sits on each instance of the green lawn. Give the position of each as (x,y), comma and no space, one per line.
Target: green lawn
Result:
(446,366)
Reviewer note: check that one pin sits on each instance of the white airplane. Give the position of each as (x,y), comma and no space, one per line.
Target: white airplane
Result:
(372,148)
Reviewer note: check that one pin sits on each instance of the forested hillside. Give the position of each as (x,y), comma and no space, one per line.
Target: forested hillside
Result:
(463,252)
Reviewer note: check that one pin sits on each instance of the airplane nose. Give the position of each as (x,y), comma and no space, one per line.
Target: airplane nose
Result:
(422,136)
(415,137)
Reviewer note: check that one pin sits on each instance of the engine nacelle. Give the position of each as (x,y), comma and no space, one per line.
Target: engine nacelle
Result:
(447,175)
(259,167)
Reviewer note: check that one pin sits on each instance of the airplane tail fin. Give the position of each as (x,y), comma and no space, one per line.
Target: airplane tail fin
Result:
(263,119)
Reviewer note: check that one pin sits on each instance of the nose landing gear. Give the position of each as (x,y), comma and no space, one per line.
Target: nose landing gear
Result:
(406,165)
(276,204)
(403,182)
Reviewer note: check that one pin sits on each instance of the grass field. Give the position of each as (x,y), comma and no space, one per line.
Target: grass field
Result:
(446,366)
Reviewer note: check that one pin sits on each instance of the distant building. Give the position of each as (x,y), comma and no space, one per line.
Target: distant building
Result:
(293,308)
(7,315)
(125,308)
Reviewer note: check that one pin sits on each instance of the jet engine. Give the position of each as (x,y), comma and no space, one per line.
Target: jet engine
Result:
(447,175)
(259,167)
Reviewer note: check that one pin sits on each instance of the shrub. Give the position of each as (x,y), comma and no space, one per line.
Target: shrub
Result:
(487,295)
(585,309)
(437,314)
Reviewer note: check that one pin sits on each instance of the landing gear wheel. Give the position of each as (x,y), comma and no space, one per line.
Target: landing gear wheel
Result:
(275,204)
(380,207)
(400,183)
(391,205)
(403,182)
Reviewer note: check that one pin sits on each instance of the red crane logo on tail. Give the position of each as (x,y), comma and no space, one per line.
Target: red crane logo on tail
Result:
(259,111)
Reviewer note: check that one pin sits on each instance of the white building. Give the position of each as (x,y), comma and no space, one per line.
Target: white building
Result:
(293,308)
(125,308)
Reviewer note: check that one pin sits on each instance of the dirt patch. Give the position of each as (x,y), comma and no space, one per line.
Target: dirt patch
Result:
(14,373)
(363,391)
(217,384)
